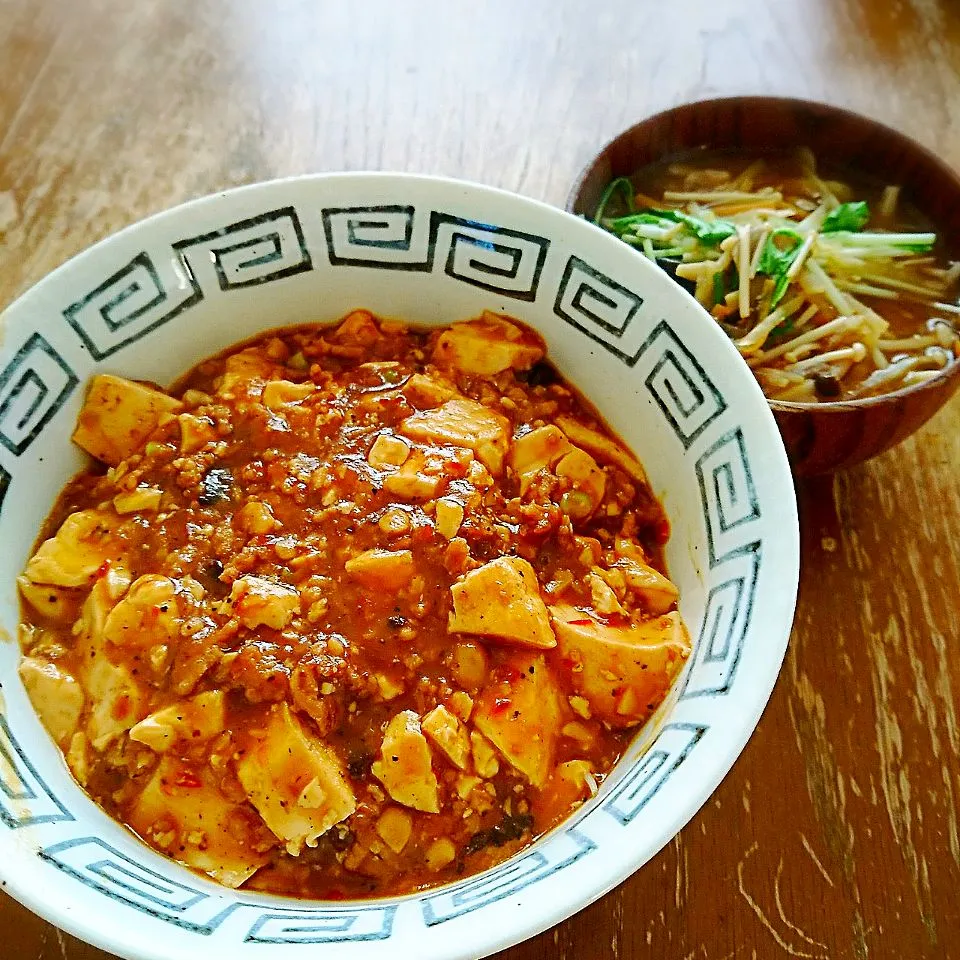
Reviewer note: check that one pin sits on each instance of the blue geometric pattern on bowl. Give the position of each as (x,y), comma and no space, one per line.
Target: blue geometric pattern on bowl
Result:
(393,237)
(99,866)
(127,306)
(669,750)
(25,799)
(725,622)
(507,880)
(307,926)
(135,300)
(731,512)
(729,497)
(597,306)
(680,386)
(34,385)
(245,254)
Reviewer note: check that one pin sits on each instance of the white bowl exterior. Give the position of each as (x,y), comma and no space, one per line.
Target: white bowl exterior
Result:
(150,301)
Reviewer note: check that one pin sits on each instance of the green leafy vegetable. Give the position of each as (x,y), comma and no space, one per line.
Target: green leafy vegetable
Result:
(620,224)
(777,257)
(848,216)
(719,287)
(786,235)
(783,281)
(625,187)
(782,330)
(710,232)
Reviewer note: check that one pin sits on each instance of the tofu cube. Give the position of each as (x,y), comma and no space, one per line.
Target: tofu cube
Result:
(405,765)
(589,481)
(59,604)
(602,447)
(394,827)
(56,696)
(540,449)
(148,615)
(656,591)
(502,600)
(359,328)
(381,569)
(388,451)
(195,823)
(487,345)
(140,500)
(262,602)
(243,368)
(192,721)
(117,700)
(411,481)
(278,394)
(195,432)
(119,415)
(77,551)
(520,715)
(423,391)
(463,423)
(295,781)
(256,517)
(449,514)
(624,672)
(448,735)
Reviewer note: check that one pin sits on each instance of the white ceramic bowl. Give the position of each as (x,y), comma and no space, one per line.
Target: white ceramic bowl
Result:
(153,299)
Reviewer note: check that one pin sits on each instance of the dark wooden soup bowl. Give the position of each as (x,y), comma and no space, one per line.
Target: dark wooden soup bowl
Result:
(819,437)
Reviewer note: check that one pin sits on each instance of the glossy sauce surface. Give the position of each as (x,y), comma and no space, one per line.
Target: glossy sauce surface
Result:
(354,610)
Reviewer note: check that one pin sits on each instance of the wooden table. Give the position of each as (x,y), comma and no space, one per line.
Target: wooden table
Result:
(836,834)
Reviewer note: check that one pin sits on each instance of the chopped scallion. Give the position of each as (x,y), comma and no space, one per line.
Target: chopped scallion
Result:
(621,184)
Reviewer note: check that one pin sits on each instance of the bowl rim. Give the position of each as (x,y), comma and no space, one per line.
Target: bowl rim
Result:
(830,407)
(710,772)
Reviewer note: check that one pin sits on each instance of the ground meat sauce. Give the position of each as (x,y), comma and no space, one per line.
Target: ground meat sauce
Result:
(353,610)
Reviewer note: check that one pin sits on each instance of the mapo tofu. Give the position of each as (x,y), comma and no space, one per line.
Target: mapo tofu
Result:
(352,610)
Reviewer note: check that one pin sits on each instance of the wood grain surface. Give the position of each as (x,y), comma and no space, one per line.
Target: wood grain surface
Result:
(836,834)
